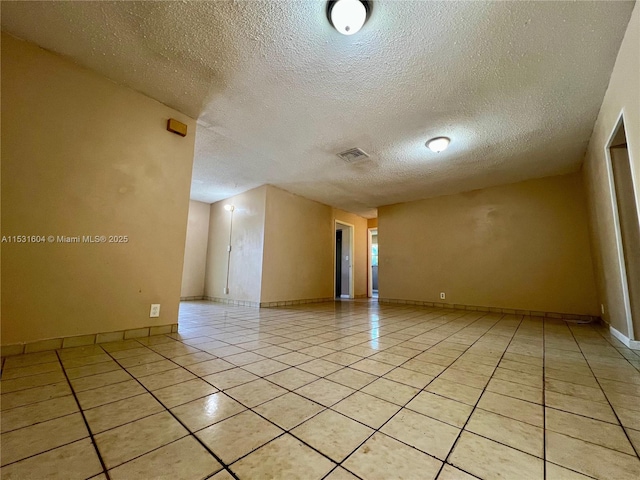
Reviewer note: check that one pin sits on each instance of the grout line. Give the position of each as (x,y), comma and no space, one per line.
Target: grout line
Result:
(349,324)
(31,364)
(189,433)
(329,408)
(608,340)
(46,384)
(84,419)
(324,408)
(39,423)
(633,447)
(455,443)
(28,375)
(53,448)
(484,314)
(423,390)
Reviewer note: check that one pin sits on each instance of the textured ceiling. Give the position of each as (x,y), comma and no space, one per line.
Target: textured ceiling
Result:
(277,92)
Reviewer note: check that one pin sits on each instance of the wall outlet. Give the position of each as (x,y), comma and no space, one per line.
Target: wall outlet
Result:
(442,296)
(225,291)
(602,308)
(155,310)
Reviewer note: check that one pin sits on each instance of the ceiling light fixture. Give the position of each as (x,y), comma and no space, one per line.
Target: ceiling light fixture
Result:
(348,16)
(438,144)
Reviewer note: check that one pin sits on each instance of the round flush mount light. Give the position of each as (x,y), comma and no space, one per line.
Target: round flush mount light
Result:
(438,144)
(229,208)
(348,16)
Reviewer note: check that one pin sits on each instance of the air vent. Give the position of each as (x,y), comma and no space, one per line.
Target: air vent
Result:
(353,155)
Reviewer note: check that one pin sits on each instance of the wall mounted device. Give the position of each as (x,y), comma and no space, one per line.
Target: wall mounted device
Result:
(177,127)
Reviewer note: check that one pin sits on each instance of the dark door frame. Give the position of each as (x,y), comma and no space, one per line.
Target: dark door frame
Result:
(351,232)
(338,264)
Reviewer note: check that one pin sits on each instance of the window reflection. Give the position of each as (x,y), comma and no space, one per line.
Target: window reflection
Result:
(211,406)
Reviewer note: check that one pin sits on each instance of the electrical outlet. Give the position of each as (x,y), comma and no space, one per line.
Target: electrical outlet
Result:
(155,310)
(442,296)
(226,291)
(602,308)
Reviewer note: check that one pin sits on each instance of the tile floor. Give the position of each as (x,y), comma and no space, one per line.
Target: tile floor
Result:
(336,391)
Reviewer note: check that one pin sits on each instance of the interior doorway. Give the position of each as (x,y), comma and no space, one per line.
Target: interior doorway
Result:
(625,213)
(373,262)
(343,250)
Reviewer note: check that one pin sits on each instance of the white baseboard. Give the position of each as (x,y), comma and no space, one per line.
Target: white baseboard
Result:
(632,344)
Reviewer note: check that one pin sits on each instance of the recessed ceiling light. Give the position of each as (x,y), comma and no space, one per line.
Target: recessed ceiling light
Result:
(348,16)
(438,144)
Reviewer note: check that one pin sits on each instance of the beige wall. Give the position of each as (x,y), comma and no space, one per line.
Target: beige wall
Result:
(247,235)
(623,95)
(84,156)
(195,250)
(372,223)
(298,248)
(522,246)
(359,265)
(282,248)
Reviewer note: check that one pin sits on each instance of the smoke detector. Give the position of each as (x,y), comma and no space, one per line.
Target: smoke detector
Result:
(353,155)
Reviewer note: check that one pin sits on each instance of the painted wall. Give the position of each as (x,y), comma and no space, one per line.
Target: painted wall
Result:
(195,250)
(521,246)
(298,248)
(622,96)
(628,220)
(282,248)
(84,156)
(359,265)
(247,234)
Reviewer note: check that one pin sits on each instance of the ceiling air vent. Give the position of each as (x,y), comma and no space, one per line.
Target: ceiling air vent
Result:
(353,155)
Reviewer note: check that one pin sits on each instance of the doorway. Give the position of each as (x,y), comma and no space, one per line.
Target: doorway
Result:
(625,214)
(343,278)
(373,263)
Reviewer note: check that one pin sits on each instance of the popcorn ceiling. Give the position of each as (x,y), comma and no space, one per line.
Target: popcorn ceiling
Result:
(278,92)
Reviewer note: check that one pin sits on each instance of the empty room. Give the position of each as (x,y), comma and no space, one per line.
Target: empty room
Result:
(344,239)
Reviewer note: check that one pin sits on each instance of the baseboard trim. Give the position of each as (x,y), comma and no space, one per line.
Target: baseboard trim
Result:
(632,344)
(507,311)
(231,301)
(85,340)
(281,303)
(289,303)
(192,299)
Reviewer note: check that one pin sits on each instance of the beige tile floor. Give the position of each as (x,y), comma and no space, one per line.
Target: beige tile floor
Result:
(337,391)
